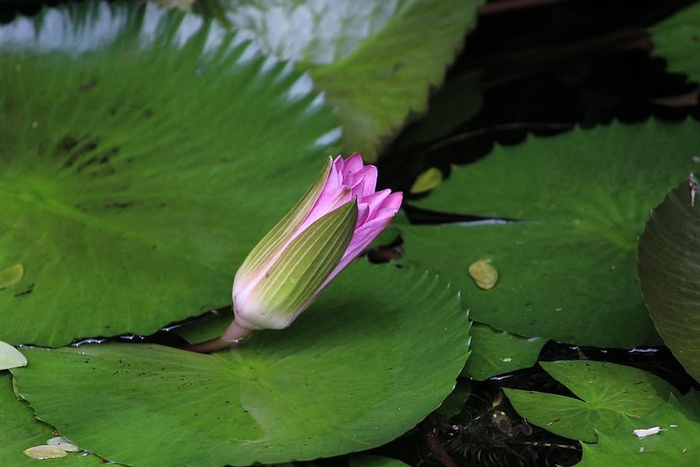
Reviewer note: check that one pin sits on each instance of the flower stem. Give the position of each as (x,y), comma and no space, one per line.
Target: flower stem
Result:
(231,337)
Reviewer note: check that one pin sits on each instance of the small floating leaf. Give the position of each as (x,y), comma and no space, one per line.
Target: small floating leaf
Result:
(496,352)
(11,275)
(485,275)
(63,443)
(427,181)
(10,357)
(45,451)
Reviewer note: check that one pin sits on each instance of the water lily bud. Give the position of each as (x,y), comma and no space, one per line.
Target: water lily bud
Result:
(329,227)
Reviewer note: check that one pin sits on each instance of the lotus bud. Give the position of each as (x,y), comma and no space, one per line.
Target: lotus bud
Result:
(328,228)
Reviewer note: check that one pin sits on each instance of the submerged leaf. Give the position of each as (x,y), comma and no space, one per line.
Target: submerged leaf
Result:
(376,60)
(676,40)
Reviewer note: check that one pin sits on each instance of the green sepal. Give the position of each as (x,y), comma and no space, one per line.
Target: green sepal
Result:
(301,270)
(285,228)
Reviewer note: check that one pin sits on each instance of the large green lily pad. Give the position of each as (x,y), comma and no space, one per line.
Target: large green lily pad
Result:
(669,273)
(574,206)
(379,350)
(605,392)
(376,60)
(143,154)
(19,430)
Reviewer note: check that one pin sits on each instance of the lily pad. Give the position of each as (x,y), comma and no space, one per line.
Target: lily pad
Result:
(376,60)
(605,392)
(669,273)
(677,443)
(676,40)
(144,153)
(457,101)
(568,212)
(427,181)
(378,351)
(19,430)
(496,352)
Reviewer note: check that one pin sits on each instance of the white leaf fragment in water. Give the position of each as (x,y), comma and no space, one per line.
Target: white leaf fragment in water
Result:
(45,451)
(644,432)
(10,357)
(63,443)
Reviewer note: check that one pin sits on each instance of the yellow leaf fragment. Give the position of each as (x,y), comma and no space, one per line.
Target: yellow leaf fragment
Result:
(10,357)
(485,275)
(45,451)
(11,275)
(426,181)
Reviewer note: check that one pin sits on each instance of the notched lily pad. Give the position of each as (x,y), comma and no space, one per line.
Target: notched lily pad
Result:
(677,442)
(358,368)
(605,391)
